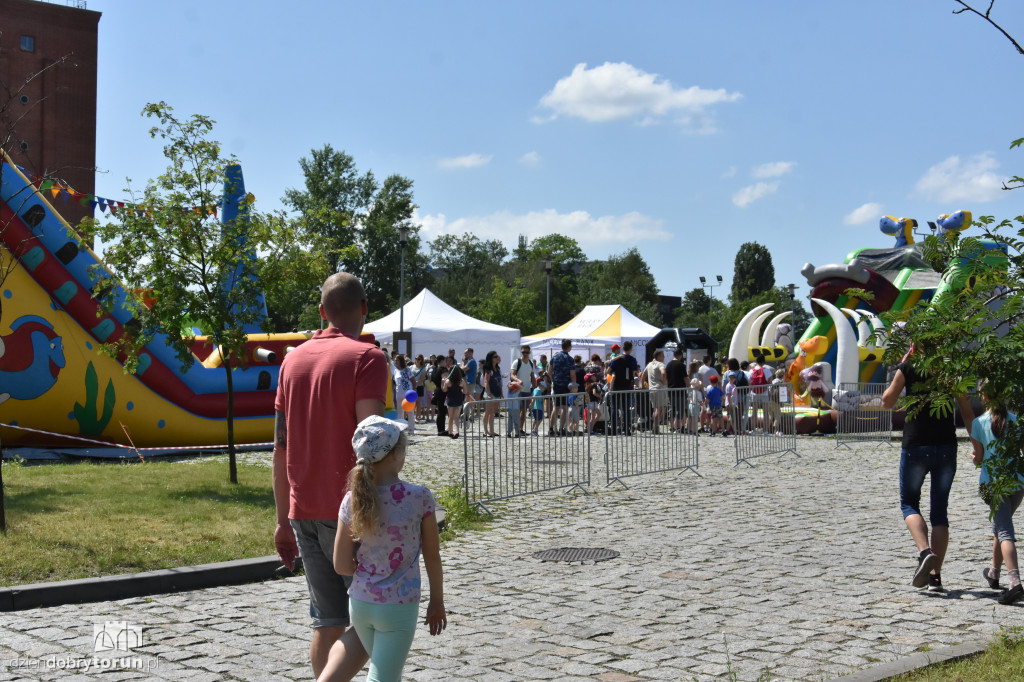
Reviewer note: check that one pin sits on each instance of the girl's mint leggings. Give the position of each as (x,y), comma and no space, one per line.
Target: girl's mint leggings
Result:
(386,631)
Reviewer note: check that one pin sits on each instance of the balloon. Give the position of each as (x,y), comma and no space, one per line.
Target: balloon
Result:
(408,406)
(411,396)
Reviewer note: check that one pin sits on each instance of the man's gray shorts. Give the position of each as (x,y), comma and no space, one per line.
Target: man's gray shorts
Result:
(328,591)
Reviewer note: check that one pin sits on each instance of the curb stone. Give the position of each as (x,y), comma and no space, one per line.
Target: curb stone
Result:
(947,654)
(115,587)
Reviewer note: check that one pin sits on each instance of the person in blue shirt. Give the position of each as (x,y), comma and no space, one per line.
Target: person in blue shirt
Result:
(985,432)
(713,402)
(469,368)
(563,373)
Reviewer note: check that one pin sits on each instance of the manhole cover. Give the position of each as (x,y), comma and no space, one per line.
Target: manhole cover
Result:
(576,554)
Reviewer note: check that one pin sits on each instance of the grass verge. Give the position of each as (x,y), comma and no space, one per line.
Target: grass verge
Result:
(86,520)
(1002,661)
(461,516)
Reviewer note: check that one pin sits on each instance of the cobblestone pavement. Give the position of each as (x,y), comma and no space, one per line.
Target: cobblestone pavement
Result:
(798,568)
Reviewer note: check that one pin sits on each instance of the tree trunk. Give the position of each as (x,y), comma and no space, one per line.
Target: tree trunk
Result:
(232,466)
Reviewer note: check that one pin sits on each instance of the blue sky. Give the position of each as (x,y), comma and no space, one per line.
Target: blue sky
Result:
(681,128)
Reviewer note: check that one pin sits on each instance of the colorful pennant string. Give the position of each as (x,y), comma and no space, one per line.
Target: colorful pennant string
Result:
(93,201)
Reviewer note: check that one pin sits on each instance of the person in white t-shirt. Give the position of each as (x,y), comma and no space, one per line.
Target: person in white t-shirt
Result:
(524,369)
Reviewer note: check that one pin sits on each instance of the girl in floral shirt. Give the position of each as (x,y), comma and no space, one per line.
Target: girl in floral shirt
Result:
(383,525)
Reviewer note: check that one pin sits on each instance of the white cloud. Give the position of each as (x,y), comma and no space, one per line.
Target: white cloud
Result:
(467,161)
(776,169)
(530,159)
(506,227)
(752,193)
(864,214)
(612,92)
(729,173)
(954,180)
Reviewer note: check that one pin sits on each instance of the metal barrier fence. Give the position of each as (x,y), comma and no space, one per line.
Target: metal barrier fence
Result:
(861,416)
(513,462)
(763,418)
(650,431)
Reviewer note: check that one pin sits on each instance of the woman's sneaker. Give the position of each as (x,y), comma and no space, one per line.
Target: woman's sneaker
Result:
(935,583)
(992,582)
(1012,594)
(925,563)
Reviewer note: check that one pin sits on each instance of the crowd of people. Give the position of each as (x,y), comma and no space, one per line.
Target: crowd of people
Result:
(360,530)
(566,395)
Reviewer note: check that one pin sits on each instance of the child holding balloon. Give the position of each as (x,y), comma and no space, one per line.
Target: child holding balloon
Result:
(404,387)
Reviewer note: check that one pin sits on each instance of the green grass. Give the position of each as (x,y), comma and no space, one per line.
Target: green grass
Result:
(460,514)
(86,520)
(1004,660)
(70,521)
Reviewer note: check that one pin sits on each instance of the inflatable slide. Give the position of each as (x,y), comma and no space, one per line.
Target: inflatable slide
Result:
(58,389)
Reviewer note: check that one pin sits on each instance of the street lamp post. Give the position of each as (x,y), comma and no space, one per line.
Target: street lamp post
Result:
(791,288)
(403,239)
(547,315)
(710,286)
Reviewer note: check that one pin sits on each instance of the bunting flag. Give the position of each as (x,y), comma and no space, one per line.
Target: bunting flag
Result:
(93,201)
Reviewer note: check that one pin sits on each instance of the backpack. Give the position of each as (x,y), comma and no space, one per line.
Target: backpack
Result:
(758,381)
(741,379)
(519,363)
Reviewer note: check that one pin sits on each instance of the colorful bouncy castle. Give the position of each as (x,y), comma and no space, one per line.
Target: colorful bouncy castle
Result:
(58,389)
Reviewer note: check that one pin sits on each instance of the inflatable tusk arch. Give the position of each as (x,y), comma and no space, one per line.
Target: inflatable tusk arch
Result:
(768,339)
(741,336)
(847,355)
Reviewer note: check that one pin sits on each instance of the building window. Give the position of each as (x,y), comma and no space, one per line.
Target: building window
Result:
(28,44)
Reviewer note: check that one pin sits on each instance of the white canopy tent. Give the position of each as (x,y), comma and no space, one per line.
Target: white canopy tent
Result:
(436,327)
(598,326)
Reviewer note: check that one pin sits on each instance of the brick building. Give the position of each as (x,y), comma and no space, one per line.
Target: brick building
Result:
(48,124)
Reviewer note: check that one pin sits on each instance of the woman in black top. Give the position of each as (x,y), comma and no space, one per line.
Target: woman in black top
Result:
(454,385)
(491,381)
(929,448)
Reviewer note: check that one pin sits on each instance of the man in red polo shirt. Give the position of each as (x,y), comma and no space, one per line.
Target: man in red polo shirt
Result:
(327,386)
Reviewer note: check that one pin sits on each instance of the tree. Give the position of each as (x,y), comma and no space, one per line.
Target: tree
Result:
(378,258)
(753,272)
(985,309)
(347,209)
(697,309)
(468,265)
(334,194)
(973,333)
(512,305)
(625,280)
(567,260)
(179,265)
(293,301)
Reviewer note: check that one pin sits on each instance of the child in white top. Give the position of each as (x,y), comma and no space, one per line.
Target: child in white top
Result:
(383,524)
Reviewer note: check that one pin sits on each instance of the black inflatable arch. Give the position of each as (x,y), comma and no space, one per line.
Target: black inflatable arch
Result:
(676,337)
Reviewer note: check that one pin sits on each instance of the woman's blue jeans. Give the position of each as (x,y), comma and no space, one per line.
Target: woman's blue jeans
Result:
(918,461)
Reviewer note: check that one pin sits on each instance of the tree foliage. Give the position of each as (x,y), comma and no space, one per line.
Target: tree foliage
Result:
(358,220)
(698,309)
(180,265)
(973,333)
(753,271)
(626,280)
(512,305)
